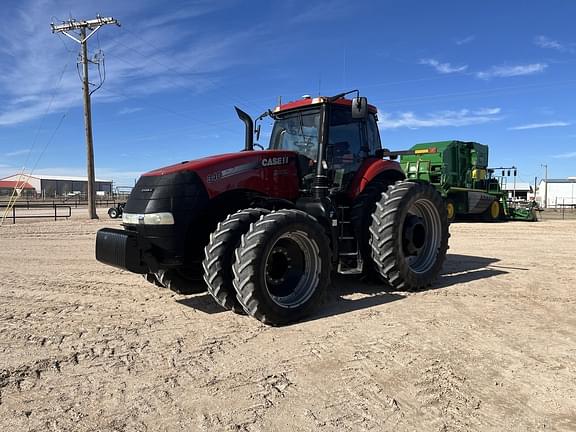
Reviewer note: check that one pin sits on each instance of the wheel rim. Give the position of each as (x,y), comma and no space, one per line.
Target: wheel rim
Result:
(494,209)
(450,210)
(421,235)
(292,269)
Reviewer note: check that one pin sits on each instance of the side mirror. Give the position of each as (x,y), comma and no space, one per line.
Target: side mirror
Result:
(359,107)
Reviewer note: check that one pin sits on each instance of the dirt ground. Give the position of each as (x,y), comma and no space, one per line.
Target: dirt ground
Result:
(490,347)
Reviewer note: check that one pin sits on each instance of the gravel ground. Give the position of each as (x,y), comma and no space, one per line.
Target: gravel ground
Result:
(491,346)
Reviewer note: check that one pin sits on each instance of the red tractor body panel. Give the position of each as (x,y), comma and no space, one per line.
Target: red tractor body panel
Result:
(272,173)
(369,170)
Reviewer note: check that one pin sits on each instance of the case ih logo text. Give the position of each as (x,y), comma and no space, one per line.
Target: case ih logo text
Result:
(273,161)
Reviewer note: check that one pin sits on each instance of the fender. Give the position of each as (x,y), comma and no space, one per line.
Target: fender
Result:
(370,169)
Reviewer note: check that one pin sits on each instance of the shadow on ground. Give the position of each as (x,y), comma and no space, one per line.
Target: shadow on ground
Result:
(202,302)
(466,268)
(457,269)
(343,296)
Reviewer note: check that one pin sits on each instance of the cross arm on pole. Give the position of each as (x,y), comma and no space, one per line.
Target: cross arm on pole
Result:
(93,25)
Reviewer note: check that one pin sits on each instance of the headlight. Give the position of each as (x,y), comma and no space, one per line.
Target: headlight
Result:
(165,218)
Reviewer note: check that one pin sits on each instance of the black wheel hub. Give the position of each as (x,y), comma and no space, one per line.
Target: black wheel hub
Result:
(284,268)
(414,235)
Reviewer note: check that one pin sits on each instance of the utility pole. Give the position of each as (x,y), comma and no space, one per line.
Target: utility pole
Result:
(93,26)
(545,166)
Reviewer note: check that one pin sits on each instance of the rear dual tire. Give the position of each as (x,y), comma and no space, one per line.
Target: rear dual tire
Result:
(409,235)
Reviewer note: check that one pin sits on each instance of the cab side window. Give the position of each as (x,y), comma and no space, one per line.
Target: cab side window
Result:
(345,140)
(372,134)
(347,145)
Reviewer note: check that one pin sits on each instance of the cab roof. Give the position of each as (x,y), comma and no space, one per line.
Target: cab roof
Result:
(310,101)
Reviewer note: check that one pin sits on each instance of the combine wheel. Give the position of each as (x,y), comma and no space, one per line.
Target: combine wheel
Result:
(409,235)
(282,267)
(182,282)
(219,256)
(494,212)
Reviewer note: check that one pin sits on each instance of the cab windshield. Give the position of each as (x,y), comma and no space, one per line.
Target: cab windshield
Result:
(297,132)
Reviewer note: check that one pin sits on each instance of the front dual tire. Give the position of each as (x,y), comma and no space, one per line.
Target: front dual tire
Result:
(274,266)
(282,267)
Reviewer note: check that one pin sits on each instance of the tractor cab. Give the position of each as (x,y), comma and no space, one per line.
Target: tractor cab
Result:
(349,139)
(341,133)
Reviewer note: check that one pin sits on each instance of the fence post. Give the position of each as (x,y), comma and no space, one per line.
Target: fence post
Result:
(14,215)
(55,218)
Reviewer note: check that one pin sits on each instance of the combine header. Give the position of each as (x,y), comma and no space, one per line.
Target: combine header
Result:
(262,230)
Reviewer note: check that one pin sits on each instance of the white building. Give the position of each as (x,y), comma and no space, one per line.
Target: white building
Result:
(559,192)
(49,186)
(519,190)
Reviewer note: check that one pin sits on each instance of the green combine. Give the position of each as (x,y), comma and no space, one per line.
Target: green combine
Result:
(459,170)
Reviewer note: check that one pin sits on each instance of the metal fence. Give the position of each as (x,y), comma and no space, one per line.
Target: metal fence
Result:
(53,211)
(72,202)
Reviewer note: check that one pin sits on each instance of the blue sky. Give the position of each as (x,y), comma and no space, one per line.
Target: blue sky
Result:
(501,73)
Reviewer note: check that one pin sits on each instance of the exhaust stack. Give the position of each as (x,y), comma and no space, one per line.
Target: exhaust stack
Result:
(249,140)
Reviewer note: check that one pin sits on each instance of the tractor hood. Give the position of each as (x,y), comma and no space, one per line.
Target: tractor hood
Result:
(211,162)
(270,172)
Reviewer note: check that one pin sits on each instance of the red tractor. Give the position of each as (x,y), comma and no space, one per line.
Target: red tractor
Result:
(263,230)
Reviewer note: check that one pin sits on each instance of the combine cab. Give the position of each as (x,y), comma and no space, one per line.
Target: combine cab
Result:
(263,230)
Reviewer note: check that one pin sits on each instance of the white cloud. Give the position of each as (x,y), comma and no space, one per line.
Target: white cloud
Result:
(160,54)
(125,111)
(321,11)
(465,40)
(487,111)
(565,155)
(540,125)
(463,117)
(443,68)
(17,153)
(546,42)
(512,71)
